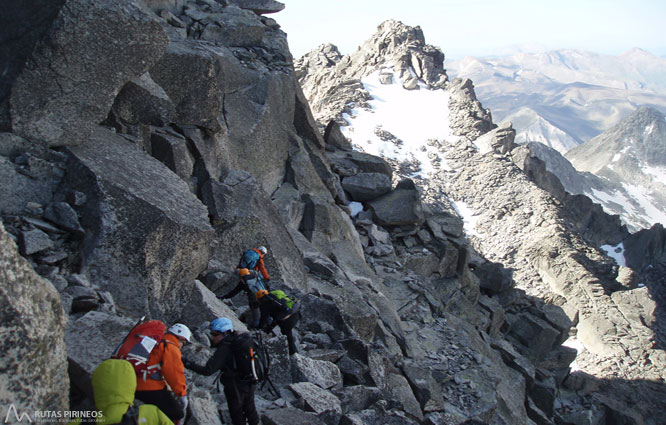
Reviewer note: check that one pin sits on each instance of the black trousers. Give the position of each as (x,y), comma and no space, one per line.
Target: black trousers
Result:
(240,398)
(254,311)
(163,399)
(286,327)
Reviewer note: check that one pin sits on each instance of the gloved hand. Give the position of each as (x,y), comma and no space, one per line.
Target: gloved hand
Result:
(182,400)
(187,363)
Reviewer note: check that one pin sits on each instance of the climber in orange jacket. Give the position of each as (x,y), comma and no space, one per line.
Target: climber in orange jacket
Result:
(166,367)
(257,264)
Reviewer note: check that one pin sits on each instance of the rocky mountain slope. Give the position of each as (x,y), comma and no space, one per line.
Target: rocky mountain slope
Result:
(145,144)
(621,169)
(563,98)
(633,154)
(511,222)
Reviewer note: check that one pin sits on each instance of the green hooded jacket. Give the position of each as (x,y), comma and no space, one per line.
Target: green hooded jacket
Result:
(114,384)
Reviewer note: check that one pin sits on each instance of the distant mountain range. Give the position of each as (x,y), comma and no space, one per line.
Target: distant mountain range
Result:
(604,113)
(622,169)
(631,156)
(563,98)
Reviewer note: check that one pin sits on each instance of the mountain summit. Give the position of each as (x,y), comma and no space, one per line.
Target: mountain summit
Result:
(324,73)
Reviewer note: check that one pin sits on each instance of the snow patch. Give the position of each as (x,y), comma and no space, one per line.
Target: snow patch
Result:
(469,218)
(616,253)
(619,155)
(413,117)
(653,213)
(658,172)
(356,207)
(574,343)
(616,198)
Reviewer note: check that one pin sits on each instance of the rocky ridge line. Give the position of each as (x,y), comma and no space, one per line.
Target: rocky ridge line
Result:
(550,267)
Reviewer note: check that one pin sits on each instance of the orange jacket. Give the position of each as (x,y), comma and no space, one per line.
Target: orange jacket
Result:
(260,265)
(172,369)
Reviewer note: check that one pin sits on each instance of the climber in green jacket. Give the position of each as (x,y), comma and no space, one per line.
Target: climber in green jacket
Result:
(114,384)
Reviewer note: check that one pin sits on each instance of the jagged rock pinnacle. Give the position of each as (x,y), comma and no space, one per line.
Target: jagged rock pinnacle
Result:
(325,74)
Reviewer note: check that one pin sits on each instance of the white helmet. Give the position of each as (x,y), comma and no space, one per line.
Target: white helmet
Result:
(181,330)
(263,249)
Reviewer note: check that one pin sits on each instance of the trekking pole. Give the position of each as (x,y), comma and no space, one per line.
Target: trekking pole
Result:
(260,341)
(128,334)
(265,351)
(276,393)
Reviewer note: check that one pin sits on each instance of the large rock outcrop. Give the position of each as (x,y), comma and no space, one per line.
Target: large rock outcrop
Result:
(32,326)
(559,266)
(589,218)
(468,118)
(147,236)
(243,216)
(332,81)
(30,172)
(23,26)
(122,224)
(59,100)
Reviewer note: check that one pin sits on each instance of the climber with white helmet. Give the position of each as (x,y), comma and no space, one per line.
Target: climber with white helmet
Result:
(167,363)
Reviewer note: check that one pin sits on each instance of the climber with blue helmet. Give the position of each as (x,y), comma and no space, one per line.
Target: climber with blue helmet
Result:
(221,325)
(230,348)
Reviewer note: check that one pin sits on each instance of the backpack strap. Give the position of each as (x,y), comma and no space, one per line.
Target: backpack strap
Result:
(218,379)
(155,371)
(294,309)
(261,348)
(131,417)
(230,373)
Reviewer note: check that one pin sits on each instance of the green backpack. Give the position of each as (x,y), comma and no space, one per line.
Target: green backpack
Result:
(281,296)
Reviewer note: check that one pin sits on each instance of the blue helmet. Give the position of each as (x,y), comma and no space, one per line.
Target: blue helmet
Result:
(221,324)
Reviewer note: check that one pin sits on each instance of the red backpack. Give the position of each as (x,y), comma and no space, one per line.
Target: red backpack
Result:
(138,344)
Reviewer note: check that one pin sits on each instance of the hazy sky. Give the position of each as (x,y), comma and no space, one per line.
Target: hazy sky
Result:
(481,27)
